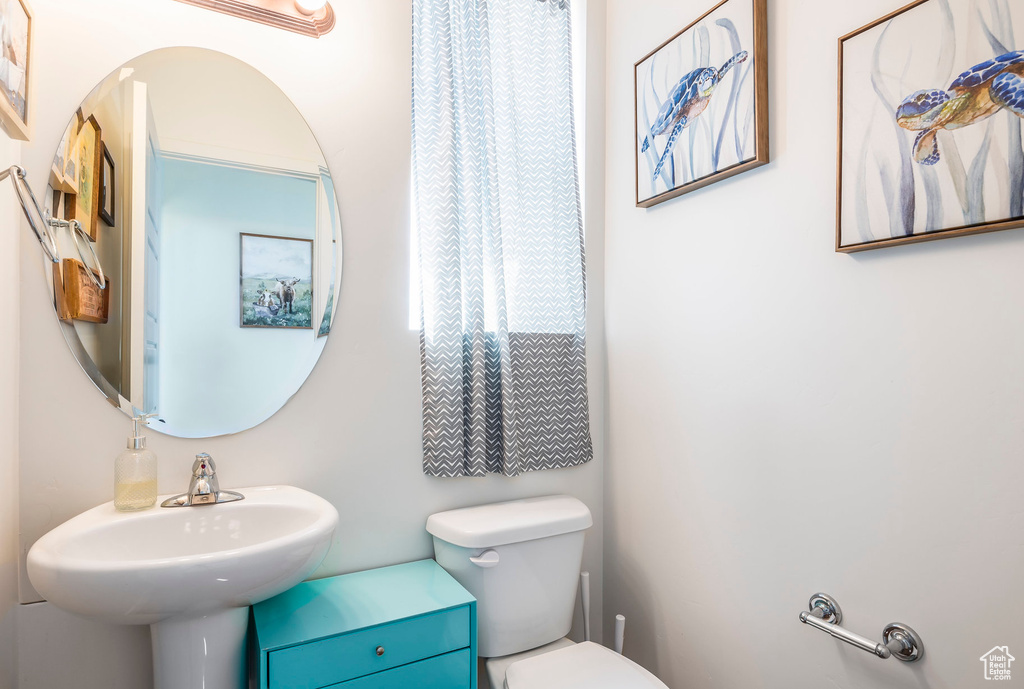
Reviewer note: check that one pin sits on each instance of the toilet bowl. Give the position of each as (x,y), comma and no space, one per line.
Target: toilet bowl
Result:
(579,666)
(521,561)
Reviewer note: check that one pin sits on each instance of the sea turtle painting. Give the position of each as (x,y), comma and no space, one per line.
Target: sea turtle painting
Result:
(975,95)
(931,124)
(687,100)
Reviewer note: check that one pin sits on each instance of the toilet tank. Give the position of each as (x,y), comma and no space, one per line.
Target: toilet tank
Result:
(521,561)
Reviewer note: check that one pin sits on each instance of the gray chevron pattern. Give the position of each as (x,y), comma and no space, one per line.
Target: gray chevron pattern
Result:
(503,336)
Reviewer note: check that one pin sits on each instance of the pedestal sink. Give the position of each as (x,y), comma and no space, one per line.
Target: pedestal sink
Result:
(190,573)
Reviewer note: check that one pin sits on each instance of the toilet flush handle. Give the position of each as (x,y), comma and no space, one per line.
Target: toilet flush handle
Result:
(486,559)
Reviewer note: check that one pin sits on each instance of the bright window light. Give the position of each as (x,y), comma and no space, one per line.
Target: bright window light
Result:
(579,62)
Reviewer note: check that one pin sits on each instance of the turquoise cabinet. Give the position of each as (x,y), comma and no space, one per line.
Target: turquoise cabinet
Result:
(410,625)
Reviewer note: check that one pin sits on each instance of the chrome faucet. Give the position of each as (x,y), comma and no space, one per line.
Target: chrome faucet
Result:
(203,488)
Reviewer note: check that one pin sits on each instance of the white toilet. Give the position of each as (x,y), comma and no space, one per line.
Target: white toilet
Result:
(521,560)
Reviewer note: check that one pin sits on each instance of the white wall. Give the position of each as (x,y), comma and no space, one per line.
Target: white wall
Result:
(784,419)
(352,433)
(15,230)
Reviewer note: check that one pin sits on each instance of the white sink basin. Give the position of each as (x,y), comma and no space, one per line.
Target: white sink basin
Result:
(190,572)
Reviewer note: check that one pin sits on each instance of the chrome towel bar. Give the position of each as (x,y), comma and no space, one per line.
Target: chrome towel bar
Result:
(44,232)
(898,640)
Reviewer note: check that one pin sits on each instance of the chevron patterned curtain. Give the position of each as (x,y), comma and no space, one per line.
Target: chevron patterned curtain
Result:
(503,337)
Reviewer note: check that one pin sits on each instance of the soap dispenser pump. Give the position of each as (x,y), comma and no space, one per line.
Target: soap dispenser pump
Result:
(135,471)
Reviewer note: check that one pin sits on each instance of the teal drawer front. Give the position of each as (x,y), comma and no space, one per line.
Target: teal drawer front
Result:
(337,659)
(450,671)
(325,633)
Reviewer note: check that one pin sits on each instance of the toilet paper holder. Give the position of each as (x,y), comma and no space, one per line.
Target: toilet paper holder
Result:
(898,640)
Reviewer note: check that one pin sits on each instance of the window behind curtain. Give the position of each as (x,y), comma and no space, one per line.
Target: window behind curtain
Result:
(503,331)
(579,52)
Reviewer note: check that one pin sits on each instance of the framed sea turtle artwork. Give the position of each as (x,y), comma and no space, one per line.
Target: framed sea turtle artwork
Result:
(701,103)
(931,108)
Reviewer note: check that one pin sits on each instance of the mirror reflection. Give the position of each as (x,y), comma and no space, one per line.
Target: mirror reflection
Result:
(201,285)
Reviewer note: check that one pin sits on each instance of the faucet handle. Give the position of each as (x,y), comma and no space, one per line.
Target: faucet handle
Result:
(204,466)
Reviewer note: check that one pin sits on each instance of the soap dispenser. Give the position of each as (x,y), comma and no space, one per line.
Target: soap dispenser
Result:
(135,471)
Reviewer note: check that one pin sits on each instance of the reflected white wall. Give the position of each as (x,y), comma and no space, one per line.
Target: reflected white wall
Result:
(215,376)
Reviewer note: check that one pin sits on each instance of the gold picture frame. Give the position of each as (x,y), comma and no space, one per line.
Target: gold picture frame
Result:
(85,207)
(63,172)
(715,72)
(16,93)
(903,176)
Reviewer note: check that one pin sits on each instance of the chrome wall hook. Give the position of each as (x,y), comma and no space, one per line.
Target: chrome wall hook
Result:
(898,640)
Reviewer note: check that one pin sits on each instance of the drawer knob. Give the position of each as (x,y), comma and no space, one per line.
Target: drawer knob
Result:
(380,650)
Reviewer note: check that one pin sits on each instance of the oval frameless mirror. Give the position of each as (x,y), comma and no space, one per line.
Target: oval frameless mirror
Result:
(208,215)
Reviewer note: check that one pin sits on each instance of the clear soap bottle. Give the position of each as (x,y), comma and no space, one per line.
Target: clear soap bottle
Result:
(135,472)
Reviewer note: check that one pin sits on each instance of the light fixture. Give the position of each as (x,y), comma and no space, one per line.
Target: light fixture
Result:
(309,7)
(312,18)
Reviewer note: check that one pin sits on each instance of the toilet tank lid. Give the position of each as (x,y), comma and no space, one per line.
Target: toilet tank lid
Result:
(487,526)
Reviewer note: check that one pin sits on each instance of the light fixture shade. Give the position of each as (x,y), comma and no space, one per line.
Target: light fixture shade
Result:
(283,14)
(309,6)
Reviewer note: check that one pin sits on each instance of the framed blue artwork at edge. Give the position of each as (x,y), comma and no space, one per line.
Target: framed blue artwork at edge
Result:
(701,103)
(931,101)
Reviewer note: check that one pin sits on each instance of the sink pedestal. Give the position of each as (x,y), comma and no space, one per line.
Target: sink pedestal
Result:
(200,652)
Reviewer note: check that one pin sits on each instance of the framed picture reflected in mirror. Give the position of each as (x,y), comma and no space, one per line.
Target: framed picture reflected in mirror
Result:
(276,282)
(107,187)
(88,155)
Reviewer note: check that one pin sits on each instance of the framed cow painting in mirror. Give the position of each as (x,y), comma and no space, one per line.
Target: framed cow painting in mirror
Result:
(276,282)
(931,101)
